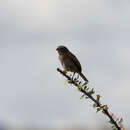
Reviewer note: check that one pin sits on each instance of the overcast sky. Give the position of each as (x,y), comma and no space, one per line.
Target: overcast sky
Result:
(97,32)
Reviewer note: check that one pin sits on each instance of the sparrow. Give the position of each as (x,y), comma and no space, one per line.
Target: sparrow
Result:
(70,62)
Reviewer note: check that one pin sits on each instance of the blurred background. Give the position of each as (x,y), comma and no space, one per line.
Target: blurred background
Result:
(31,92)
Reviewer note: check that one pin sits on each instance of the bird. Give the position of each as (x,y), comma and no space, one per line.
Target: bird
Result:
(69,61)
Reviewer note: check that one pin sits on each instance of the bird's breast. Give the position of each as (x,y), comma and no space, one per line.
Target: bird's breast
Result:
(67,63)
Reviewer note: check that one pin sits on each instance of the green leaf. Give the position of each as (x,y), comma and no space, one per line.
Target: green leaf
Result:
(115,129)
(85,84)
(82,96)
(106,107)
(98,97)
(79,87)
(91,91)
(110,122)
(86,97)
(98,109)
(75,80)
(94,105)
(85,87)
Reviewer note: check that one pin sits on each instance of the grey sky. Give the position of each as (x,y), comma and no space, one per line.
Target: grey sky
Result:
(31,89)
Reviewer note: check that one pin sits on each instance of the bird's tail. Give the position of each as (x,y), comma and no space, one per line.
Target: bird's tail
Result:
(83,77)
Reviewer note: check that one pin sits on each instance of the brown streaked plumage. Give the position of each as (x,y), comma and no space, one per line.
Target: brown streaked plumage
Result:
(69,61)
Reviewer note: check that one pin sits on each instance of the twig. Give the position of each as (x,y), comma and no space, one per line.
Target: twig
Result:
(104,110)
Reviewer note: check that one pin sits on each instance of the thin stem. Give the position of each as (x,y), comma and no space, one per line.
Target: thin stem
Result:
(94,100)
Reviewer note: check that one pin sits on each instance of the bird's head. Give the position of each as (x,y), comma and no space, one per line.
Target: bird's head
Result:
(62,50)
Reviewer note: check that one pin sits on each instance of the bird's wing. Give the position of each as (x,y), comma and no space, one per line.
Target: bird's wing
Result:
(75,61)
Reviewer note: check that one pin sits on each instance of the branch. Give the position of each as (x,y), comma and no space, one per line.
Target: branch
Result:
(88,93)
